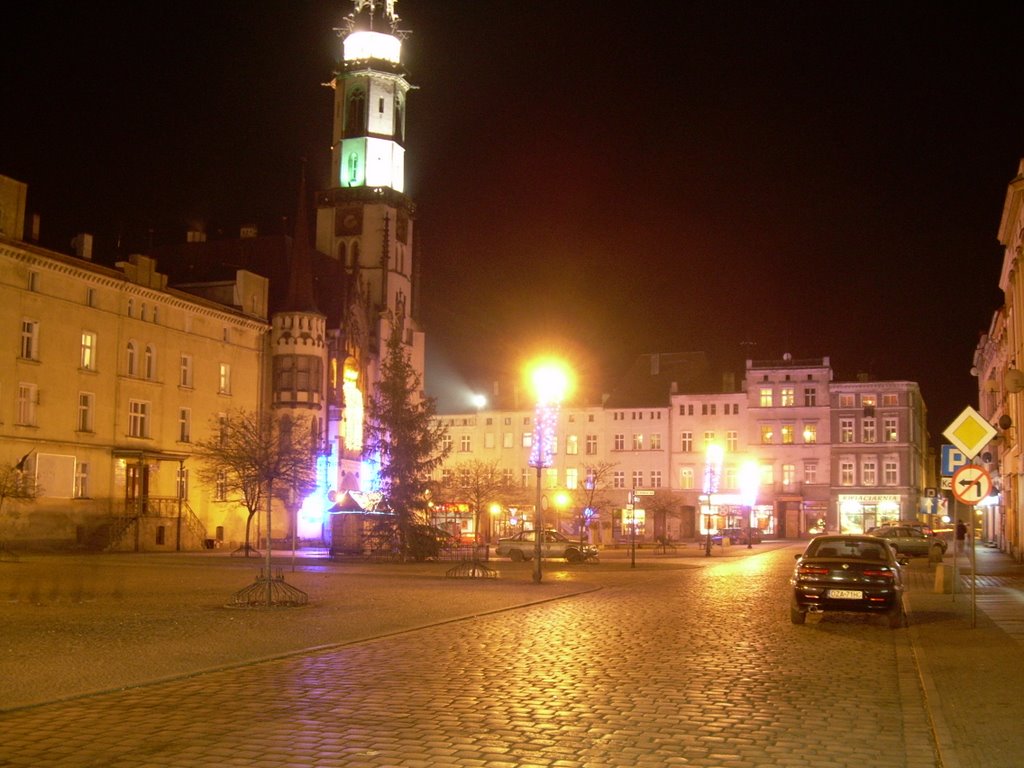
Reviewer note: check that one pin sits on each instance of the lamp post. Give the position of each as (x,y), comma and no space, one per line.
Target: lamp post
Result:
(551,381)
(713,455)
(749,480)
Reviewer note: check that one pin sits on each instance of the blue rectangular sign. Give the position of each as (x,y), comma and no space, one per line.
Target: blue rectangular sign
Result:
(952,459)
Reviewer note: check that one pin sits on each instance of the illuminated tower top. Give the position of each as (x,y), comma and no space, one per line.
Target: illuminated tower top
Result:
(373,32)
(369,141)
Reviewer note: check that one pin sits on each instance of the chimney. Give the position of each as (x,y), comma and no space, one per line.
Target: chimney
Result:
(195,236)
(82,245)
(34,236)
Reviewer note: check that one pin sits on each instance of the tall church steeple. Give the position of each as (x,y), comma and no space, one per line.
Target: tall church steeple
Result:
(365,220)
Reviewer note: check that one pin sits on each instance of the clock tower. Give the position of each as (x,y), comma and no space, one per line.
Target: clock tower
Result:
(365,220)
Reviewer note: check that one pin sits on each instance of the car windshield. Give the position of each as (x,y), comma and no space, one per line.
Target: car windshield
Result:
(858,549)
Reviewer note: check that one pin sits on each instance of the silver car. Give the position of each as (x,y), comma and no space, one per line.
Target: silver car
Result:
(911,540)
(553,544)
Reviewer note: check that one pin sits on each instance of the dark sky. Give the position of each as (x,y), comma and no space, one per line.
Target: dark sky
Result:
(815,178)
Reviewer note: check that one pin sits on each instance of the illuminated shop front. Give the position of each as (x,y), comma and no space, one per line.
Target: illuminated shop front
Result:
(859,512)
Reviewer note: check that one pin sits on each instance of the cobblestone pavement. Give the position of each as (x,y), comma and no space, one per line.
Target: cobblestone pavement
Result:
(695,666)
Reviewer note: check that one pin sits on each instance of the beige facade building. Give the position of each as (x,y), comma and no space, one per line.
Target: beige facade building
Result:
(108,378)
(800,430)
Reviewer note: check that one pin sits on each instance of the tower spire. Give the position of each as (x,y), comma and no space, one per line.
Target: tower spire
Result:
(300,280)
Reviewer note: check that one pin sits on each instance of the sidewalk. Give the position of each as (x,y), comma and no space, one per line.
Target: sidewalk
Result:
(970,655)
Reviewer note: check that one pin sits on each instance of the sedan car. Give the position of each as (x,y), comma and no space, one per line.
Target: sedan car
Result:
(911,540)
(848,573)
(552,544)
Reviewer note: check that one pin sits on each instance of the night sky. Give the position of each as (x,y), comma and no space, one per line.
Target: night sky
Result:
(609,178)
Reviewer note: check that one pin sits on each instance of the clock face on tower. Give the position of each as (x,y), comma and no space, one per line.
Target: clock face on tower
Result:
(348,221)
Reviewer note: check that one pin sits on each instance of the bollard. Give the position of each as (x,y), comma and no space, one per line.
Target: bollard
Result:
(943,579)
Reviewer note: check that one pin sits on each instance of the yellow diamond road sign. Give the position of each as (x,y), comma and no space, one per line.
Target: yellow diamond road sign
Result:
(970,432)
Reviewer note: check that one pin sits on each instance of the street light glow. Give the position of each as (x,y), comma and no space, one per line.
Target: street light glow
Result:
(551,381)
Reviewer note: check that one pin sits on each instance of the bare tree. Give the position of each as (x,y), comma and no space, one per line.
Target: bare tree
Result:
(480,483)
(248,453)
(661,506)
(15,486)
(591,497)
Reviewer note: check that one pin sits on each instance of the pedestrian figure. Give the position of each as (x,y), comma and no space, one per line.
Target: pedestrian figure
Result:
(961,534)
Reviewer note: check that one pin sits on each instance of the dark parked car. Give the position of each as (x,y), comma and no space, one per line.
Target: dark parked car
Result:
(737,536)
(553,544)
(911,540)
(848,573)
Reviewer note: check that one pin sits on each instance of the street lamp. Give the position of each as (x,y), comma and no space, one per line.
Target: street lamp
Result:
(713,455)
(749,480)
(551,382)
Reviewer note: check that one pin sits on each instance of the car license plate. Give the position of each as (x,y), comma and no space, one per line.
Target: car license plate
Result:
(846,594)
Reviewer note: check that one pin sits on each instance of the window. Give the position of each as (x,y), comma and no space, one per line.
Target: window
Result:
(507,476)
(638,442)
(508,439)
(618,479)
(810,433)
(810,396)
(846,472)
(787,431)
(527,439)
(524,477)
(132,359)
(185,371)
(591,445)
(220,490)
(846,400)
(572,445)
(867,428)
(138,418)
(90,297)
(788,475)
(33,280)
(685,477)
(224,379)
(846,430)
(686,442)
(489,440)
(86,401)
(446,443)
(810,472)
(28,396)
(571,478)
(620,442)
(868,401)
(465,444)
(638,478)
(149,363)
(766,397)
(447,476)
(551,477)
(729,477)
(88,359)
(731,441)
(767,434)
(655,441)
(82,480)
(182,478)
(890,399)
(185,425)
(891,435)
(656,479)
(891,473)
(29,340)
(787,397)
(869,472)
(222,429)
(709,438)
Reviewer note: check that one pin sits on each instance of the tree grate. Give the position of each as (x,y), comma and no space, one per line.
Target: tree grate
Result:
(269,592)
(471,569)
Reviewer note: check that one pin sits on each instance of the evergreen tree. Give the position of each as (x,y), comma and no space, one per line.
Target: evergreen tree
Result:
(404,436)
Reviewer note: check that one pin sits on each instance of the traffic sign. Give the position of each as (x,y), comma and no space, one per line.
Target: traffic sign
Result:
(952,460)
(970,432)
(643,493)
(971,484)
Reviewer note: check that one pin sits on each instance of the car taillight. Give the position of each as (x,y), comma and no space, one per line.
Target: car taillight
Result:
(885,574)
(812,570)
